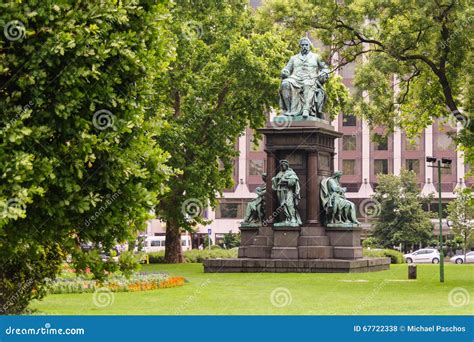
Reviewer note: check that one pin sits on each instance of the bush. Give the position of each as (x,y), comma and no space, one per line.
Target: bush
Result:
(196,255)
(395,256)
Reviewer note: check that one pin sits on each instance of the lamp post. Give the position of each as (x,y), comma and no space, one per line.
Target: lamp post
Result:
(442,163)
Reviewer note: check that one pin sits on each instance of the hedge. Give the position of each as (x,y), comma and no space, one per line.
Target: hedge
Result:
(395,256)
(196,255)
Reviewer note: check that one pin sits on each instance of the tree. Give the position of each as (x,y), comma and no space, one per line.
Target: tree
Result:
(231,240)
(401,219)
(417,57)
(461,215)
(224,78)
(78,155)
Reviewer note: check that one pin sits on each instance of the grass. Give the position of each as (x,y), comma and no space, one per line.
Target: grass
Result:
(377,293)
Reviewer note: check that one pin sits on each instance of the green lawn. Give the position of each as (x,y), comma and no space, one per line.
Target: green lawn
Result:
(386,292)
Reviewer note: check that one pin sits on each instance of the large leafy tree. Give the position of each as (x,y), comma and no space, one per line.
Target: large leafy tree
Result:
(78,157)
(224,79)
(417,56)
(401,219)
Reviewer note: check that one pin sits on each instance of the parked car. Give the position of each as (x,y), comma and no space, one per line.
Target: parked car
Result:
(423,255)
(459,259)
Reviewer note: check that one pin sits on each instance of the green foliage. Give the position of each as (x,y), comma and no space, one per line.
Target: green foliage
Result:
(128,263)
(196,255)
(395,256)
(370,242)
(417,56)
(461,216)
(402,219)
(231,240)
(80,116)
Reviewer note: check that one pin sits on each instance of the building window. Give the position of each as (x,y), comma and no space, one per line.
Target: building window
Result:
(412,144)
(413,165)
(381,166)
(348,167)
(349,120)
(444,142)
(380,142)
(349,143)
(256,167)
(229,210)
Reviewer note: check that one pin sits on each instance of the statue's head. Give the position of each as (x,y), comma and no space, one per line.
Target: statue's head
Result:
(305,45)
(337,174)
(264,177)
(284,165)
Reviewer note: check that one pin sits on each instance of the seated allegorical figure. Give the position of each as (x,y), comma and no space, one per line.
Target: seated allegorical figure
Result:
(336,207)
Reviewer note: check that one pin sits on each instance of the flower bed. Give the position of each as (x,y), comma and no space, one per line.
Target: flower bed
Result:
(137,282)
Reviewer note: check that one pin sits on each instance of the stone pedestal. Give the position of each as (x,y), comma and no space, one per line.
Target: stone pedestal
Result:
(308,145)
(345,241)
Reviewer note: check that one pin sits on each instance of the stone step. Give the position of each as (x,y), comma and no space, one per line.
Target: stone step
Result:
(313,231)
(315,252)
(284,253)
(348,252)
(313,241)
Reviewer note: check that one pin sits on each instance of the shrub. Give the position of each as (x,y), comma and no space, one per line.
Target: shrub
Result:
(395,256)
(196,255)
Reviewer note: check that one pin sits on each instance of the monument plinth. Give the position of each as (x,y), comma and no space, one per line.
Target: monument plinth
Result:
(301,220)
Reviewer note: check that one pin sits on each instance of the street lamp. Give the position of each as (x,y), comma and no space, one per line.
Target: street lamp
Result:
(442,163)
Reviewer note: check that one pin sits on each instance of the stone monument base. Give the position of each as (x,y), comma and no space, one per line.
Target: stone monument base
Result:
(246,265)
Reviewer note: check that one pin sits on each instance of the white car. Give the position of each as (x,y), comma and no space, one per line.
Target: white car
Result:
(423,255)
(459,259)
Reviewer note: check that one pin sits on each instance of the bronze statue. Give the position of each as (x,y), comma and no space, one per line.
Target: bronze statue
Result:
(255,212)
(287,186)
(301,91)
(336,208)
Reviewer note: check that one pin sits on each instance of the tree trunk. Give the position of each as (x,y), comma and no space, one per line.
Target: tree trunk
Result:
(173,251)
